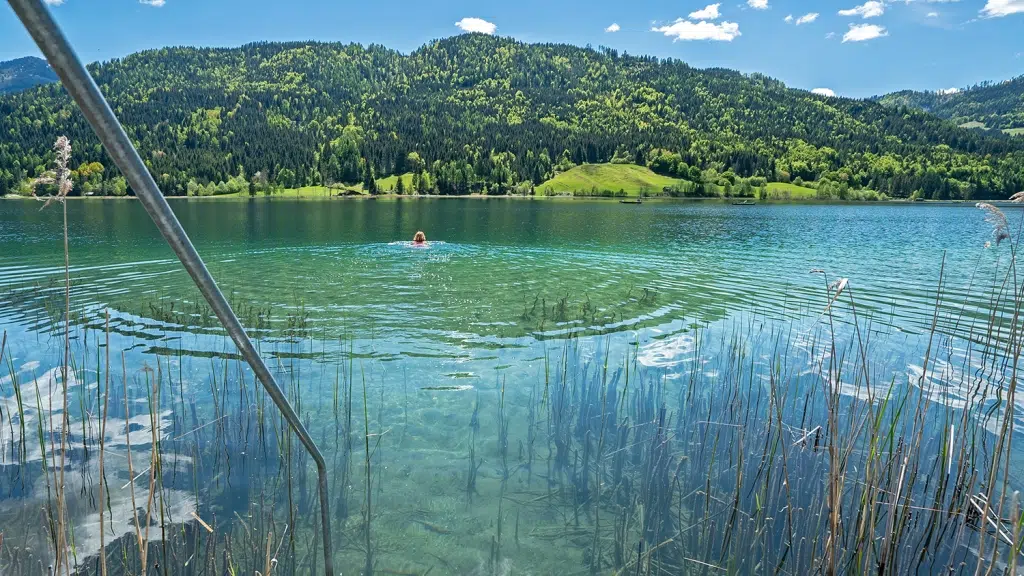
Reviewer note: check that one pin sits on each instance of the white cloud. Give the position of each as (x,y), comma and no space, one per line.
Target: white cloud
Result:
(686,30)
(807,18)
(54,2)
(788,18)
(830,35)
(154,3)
(868,9)
(824,92)
(948,90)
(471,25)
(933,14)
(758,4)
(863,32)
(1000,8)
(709,12)
(613,28)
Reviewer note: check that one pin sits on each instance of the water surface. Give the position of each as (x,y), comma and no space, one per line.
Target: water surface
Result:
(483,359)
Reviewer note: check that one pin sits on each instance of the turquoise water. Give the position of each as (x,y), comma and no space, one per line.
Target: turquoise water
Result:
(551,386)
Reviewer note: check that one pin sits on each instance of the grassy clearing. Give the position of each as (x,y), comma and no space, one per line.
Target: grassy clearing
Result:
(384,185)
(388,184)
(608,177)
(974,124)
(1014,131)
(783,191)
(303,192)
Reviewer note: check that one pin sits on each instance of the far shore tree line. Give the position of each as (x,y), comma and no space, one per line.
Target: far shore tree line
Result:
(477,114)
(340,170)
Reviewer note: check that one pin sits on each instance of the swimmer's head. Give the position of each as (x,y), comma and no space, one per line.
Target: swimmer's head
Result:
(419,238)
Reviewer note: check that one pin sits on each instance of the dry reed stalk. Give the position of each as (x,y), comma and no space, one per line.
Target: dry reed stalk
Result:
(202,523)
(267,566)
(1006,431)
(131,470)
(368,568)
(785,461)
(832,382)
(1015,518)
(154,463)
(596,551)
(60,176)
(103,432)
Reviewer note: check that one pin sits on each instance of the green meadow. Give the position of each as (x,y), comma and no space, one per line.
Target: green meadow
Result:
(629,178)
(787,191)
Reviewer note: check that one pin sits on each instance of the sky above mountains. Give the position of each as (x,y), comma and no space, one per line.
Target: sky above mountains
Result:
(851,48)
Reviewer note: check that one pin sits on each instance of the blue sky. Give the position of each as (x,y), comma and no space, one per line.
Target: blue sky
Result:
(853,47)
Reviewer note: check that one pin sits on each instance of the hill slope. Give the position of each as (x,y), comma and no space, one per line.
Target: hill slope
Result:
(630,179)
(478,111)
(992,105)
(24,73)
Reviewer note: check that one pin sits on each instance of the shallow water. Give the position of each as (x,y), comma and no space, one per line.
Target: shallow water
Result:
(484,365)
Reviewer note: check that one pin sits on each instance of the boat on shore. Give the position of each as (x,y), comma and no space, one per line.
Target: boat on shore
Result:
(744,203)
(637,201)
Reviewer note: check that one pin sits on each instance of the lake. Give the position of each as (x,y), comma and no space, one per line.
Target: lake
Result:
(551,385)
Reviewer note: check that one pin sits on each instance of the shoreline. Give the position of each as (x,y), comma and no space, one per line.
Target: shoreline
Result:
(631,200)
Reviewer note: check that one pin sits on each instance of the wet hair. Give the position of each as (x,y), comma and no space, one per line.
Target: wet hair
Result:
(419,237)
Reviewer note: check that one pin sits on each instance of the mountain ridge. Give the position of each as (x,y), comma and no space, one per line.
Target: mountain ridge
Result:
(481,113)
(994,105)
(24,73)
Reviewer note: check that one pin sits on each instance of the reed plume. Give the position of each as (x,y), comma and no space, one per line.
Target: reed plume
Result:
(995,217)
(60,175)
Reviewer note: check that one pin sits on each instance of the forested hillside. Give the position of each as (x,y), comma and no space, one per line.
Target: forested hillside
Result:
(996,105)
(17,75)
(481,113)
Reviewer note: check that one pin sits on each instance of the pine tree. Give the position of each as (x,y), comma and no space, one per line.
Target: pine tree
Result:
(424,184)
(369,182)
(400,186)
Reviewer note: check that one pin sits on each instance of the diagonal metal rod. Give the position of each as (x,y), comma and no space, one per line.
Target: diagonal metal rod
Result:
(76,79)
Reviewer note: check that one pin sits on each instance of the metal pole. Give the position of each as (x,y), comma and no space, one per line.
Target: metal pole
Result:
(83,89)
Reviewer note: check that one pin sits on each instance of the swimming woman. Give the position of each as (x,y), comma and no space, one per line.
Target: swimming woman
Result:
(420,239)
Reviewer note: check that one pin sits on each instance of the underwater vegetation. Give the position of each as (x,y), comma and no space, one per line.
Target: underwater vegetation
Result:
(822,440)
(749,446)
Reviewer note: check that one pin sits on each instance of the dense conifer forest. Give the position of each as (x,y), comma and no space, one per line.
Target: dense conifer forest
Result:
(477,113)
(990,105)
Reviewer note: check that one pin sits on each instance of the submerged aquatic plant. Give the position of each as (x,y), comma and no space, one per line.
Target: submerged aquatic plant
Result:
(758,450)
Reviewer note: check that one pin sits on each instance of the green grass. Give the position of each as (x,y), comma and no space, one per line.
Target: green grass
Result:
(303,192)
(387,185)
(608,177)
(974,124)
(782,190)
